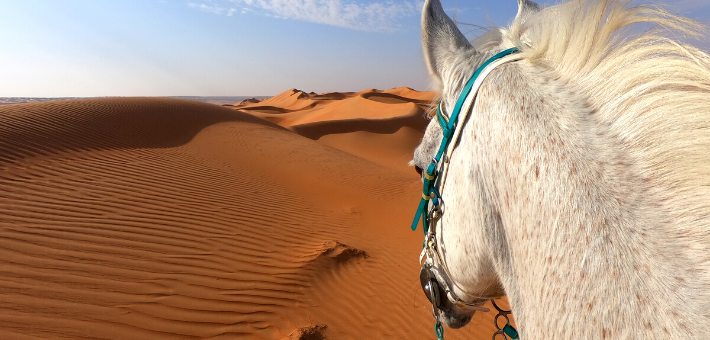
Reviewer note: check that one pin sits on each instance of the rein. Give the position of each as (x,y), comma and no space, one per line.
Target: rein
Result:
(434,179)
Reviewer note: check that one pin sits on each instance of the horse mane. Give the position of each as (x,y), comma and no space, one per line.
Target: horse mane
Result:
(651,90)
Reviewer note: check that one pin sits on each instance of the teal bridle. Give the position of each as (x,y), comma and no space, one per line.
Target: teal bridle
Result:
(448,125)
(430,259)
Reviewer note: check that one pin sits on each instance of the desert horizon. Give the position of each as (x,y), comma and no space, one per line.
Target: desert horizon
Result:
(217,100)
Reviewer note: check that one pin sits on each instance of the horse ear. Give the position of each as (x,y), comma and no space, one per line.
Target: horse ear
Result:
(526,8)
(440,37)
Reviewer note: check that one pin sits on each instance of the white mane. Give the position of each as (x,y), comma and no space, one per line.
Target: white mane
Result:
(635,84)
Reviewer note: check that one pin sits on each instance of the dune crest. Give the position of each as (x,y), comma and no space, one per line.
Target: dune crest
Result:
(247,102)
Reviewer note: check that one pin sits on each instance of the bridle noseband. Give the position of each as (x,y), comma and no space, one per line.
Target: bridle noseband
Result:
(434,178)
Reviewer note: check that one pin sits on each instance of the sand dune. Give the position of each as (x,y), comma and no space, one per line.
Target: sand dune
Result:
(382,127)
(138,218)
(295,107)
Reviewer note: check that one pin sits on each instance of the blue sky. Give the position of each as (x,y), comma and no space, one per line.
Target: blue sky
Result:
(58,48)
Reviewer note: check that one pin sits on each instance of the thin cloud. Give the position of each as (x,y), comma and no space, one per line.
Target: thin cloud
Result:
(382,16)
(210,7)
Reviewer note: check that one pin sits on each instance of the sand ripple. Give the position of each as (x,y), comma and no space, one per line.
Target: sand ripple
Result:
(170,219)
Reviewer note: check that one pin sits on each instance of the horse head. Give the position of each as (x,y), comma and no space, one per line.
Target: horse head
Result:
(470,219)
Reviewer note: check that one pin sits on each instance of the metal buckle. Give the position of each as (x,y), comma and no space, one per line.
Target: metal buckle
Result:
(434,213)
(507,330)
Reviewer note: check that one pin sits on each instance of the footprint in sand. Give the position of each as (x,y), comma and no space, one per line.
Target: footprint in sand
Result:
(316,332)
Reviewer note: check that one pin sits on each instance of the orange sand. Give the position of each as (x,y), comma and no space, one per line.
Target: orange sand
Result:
(140,218)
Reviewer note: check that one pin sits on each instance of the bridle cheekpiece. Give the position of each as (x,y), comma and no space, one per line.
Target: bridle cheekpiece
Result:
(434,178)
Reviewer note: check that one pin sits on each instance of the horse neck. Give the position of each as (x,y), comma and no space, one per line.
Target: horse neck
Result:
(586,245)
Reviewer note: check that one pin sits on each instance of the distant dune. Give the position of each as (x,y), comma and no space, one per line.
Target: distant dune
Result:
(382,127)
(157,218)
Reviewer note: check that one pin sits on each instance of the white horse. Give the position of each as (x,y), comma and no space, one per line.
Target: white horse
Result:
(580,185)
